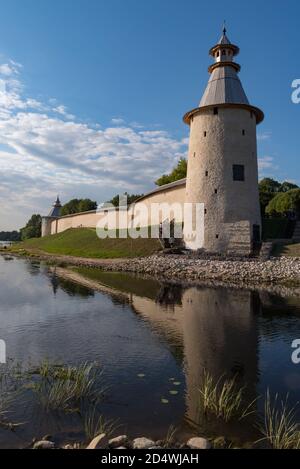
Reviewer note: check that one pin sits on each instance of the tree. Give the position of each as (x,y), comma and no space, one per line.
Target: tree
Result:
(78,206)
(269,188)
(179,172)
(10,236)
(131,198)
(33,228)
(287,186)
(284,202)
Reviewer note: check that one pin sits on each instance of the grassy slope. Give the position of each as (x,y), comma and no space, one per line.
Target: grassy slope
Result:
(287,250)
(83,242)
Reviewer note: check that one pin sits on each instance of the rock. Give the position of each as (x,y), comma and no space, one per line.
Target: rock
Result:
(198,443)
(121,440)
(121,447)
(99,442)
(44,444)
(142,443)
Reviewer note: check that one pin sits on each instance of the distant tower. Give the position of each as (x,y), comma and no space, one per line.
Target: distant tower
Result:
(222,161)
(53,215)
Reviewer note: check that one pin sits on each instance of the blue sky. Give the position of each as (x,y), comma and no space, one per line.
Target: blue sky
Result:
(92,92)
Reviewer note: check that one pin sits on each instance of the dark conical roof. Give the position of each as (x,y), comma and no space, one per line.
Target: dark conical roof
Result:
(55,211)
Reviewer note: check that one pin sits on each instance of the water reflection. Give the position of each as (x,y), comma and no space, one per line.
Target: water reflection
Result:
(147,335)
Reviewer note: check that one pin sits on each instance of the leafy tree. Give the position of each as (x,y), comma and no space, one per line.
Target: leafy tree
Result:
(10,236)
(288,186)
(33,228)
(78,206)
(269,188)
(284,202)
(269,185)
(179,172)
(131,198)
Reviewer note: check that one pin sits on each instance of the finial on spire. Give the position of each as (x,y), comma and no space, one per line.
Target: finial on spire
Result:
(224,28)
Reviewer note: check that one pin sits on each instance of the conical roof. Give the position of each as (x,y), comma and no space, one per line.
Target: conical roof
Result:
(55,211)
(224,86)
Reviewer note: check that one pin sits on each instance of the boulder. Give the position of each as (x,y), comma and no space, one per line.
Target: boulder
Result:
(118,441)
(142,443)
(198,443)
(44,444)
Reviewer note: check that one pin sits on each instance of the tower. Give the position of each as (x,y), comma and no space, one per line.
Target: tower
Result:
(53,215)
(222,160)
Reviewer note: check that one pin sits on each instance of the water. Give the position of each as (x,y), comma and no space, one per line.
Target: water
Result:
(6,244)
(147,336)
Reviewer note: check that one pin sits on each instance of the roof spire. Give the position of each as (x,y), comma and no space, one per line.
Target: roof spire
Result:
(224,28)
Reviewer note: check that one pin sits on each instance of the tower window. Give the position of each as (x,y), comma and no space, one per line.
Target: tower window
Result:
(238,172)
(243,132)
(194,154)
(217,236)
(223,52)
(206,173)
(216,191)
(205,134)
(205,211)
(216,111)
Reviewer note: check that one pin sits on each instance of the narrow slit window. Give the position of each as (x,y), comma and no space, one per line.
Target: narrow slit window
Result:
(205,211)
(206,173)
(217,236)
(216,111)
(194,154)
(216,191)
(244,132)
(205,134)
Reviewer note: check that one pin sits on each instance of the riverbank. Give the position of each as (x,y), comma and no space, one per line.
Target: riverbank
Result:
(273,274)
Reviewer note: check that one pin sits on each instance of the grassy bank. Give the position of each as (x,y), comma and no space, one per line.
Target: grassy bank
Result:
(84,242)
(287,250)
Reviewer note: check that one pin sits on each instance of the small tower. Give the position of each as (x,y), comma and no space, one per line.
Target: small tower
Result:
(53,215)
(222,161)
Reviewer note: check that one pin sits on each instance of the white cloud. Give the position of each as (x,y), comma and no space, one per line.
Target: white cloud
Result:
(44,150)
(117,121)
(264,136)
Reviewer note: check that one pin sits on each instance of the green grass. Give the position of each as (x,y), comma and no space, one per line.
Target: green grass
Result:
(84,242)
(223,398)
(280,427)
(287,250)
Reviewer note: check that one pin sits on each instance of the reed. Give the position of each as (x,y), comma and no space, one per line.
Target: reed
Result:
(95,424)
(280,427)
(223,398)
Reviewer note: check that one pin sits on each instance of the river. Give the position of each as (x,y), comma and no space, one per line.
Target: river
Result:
(153,340)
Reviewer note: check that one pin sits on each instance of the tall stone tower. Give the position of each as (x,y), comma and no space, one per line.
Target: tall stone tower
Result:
(222,161)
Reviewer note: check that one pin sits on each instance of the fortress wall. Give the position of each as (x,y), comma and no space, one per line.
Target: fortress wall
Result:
(173,195)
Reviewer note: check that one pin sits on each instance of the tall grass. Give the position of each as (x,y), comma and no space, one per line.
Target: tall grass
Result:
(95,424)
(169,440)
(223,398)
(280,427)
(64,388)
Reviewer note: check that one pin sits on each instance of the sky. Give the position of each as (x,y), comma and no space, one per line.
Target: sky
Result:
(92,92)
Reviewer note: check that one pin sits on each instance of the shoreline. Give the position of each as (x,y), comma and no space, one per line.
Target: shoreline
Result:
(277,275)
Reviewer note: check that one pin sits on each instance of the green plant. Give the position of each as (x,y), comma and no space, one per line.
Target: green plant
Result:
(223,398)
(65,387)
(280,427)
(170,437)
(95,424)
